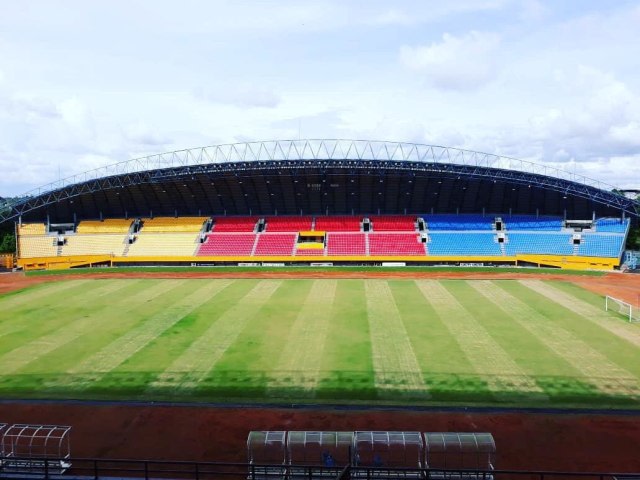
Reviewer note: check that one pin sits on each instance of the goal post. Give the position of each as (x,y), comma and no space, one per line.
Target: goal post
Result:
(623,308)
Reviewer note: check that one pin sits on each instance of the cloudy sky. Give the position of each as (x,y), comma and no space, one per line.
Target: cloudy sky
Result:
(84,84)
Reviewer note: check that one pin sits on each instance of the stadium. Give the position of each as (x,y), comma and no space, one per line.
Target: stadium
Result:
(322,308)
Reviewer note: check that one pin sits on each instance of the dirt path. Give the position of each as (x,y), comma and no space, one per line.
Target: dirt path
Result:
(578,442)
(625,286)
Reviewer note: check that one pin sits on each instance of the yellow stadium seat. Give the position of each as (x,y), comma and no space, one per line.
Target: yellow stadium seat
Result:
(173,224)
(30,246)
(94,244)
(164,244)
(111,225)
(32,229)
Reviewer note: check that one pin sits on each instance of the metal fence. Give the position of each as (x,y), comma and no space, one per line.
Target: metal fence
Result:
(92,468)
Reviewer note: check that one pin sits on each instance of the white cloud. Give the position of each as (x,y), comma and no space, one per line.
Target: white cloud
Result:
(605,123)
(457,62)
(242,95)
(549,84)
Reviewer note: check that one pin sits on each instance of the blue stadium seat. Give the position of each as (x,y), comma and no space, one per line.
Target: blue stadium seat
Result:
(601,245)
(612,225)
(530,222)
(539,243)
(458,243)
(459,222)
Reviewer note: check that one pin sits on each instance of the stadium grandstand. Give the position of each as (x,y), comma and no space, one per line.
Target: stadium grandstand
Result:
(323,201)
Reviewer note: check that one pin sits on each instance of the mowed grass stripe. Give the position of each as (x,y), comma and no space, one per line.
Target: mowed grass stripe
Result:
(205,351)
(17,358)
(394,362)
(124,312)
(50,318)
(135,339)
(597,369)
(436,348)
(530,353)
(503,375)
(299,361)
(599,317)
(617,350)
(347,362)
(558,378)
(246,368)
(156,356)
(38,294)
(48,308)
(447,371)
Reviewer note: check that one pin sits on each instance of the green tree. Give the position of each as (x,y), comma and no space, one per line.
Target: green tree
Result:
(7,238)
(633,239)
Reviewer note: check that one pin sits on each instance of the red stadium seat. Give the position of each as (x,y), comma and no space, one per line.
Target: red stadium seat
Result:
(234,224)
(346,244)
(381,244)
(338,224)
(288,224)
(221,244)
(276,243)
(393,223)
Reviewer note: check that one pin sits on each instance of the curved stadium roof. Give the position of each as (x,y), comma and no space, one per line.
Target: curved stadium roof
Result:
(319,177)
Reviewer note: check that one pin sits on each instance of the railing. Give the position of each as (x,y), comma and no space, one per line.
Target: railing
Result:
(316,149)
(87,468)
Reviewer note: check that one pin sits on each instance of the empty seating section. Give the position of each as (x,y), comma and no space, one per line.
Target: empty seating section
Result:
(30,246)
(459,222)
(458,243)
(94,244)
(338,224)
(391,235)
(393,223)
(601,245)
(164,245)
(288,224)
(539,243)
(395,244)
(111,225)
(613,225)
(276,243)
(530,222)
(172,224)
(234,224)
(32,229)
(346,244)
(220,244)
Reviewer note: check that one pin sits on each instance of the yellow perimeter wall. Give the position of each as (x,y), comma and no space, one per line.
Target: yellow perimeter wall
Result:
(563,262)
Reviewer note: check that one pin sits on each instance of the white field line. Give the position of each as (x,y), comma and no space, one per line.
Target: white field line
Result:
(596,367)
(301,357)
(203,354)
(626,331)
(19,357)
(395,364)
(137,338)
(29,296)
(486,355)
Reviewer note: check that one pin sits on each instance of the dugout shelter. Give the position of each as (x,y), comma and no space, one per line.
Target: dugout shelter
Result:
(36,448)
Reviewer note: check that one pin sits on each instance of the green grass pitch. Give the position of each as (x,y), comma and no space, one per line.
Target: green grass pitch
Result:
(410,342)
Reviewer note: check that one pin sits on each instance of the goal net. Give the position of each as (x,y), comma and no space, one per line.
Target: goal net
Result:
(623,308)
